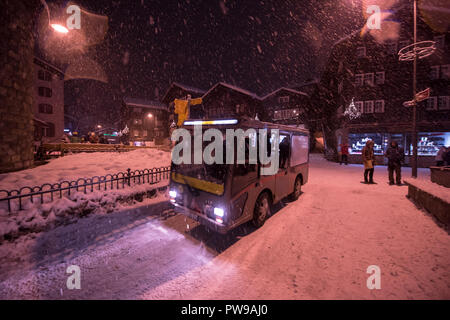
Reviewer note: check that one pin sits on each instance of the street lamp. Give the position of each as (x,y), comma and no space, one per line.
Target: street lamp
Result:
(56,26)
(59,28)
(149,115)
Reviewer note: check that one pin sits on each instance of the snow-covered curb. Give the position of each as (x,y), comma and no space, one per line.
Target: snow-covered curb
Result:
(432,188)
(43,217)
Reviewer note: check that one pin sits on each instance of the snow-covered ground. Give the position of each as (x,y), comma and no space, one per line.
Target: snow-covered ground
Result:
(318,247)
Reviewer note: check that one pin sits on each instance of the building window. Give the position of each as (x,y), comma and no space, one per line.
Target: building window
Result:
(340,67)
(240,108)
(445,71)
(379,77)
(357,142)
(283,99)
(45,92)
(136,133)
(340,86)
(286,114)
(444,103)
(432,103)
(434,73)
(49,131)
(359,106)
(391,47)
(368,106)
(137,121)
(402,44)
(144,133)
(45,108)
(440,41)
(361,52)
(137,110)
(44,75)
(379,106)
(429,143)
(359,79)
(368,79)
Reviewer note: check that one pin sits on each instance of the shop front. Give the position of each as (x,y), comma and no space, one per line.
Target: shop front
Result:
(429,144)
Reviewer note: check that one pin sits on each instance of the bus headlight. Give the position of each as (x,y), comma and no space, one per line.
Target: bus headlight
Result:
(172,194)
(219,212)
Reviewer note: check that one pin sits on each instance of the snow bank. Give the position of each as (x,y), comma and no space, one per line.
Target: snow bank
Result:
(38,217)
(42,217)
(85,165)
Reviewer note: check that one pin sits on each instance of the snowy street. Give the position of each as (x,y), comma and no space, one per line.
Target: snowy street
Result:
(318,247)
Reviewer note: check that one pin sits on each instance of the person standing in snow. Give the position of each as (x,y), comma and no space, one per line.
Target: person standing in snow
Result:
(344,153)
(395,157)
(368,158)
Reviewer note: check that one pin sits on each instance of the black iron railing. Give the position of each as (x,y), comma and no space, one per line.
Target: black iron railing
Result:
(48,192)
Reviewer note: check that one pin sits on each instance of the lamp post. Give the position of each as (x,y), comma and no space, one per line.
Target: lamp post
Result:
(412,52)
(414,129)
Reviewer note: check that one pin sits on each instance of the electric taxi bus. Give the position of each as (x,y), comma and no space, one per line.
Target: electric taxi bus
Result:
(224,196)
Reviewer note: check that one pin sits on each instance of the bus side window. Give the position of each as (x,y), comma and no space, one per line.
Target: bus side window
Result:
(244,174)
(285,147)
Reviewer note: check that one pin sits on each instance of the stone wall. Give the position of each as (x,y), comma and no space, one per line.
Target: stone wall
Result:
(16,84)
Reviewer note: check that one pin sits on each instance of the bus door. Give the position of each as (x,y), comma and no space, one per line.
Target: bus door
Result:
(282,183)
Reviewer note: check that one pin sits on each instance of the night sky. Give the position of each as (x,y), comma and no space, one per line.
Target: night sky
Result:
(257,45)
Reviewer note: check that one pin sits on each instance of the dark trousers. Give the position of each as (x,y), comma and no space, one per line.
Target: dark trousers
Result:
(368,172)
(344,158)
(398,173)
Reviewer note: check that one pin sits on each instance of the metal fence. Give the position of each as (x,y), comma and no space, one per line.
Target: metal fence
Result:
(49,192)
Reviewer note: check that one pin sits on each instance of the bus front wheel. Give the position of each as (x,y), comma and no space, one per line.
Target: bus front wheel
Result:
(297,189)
(262,209)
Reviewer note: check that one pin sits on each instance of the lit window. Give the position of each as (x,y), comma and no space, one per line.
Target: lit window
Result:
(432,103)
(368,106)
(136,133)
(379,77)
(379,106)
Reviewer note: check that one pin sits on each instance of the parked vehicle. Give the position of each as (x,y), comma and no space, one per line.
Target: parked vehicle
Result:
(224,196)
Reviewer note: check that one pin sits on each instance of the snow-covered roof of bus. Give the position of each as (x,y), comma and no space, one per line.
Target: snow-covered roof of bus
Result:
(246,122)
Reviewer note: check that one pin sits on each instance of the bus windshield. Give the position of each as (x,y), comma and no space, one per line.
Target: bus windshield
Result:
(215,173)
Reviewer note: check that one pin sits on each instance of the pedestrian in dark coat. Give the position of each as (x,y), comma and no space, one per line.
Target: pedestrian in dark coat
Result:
(368,158)
(395,157)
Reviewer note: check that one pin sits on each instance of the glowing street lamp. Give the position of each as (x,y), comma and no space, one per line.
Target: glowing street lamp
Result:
(59,28)
(149,115)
